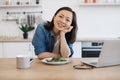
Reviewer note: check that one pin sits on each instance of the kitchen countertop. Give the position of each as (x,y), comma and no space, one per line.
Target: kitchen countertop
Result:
(13,39)
(94,39)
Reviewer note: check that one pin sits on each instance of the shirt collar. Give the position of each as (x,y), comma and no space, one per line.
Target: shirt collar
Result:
(51,33)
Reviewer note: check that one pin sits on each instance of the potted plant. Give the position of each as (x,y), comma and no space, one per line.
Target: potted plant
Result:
(37,1)
(26,28)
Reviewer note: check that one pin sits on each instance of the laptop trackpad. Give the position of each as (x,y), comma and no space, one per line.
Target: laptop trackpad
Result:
(91,62)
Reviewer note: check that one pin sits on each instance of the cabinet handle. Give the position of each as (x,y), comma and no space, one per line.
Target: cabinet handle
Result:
(29,47)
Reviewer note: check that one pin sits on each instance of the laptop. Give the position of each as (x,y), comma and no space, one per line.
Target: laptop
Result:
(109,55)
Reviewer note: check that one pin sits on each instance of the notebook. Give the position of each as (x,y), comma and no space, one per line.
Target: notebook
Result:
(109,55)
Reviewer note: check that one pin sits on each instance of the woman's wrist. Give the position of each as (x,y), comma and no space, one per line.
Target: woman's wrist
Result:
(56,55)
(62,33)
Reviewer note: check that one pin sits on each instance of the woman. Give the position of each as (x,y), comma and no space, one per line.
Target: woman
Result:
(56,38)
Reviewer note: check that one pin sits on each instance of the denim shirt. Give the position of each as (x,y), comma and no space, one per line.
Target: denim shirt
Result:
(43,40)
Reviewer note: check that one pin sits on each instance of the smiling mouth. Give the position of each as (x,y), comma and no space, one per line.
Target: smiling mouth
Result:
(61,25)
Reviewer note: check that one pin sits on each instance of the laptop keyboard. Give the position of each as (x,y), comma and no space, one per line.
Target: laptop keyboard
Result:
(94,63)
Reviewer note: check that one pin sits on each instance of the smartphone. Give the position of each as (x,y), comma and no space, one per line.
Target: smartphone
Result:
(82,67)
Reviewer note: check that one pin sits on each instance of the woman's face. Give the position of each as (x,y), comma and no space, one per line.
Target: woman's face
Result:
(63,20)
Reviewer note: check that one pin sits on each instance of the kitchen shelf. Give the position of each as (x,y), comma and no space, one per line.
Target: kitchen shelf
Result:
(99,4)
(12,6)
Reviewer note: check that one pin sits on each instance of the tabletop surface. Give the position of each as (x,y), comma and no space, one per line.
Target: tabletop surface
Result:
(41,71)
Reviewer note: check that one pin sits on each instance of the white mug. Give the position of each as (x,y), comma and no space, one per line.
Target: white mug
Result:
(23,62)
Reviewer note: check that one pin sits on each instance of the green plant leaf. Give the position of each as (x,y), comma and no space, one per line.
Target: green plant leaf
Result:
(26,28)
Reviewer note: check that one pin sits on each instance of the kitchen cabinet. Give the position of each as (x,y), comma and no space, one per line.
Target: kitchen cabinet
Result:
(12,49)
(1,50)
(77,50)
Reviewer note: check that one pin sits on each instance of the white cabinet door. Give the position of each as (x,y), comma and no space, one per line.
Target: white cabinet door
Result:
(77,50)
(1,50)
(12,49)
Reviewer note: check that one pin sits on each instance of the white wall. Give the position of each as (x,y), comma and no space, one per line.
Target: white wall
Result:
(93,21)
(99,21)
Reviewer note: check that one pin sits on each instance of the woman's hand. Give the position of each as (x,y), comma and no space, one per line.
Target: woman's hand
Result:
(64,48)
(67,29)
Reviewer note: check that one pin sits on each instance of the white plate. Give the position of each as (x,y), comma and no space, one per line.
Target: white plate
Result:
(68,60)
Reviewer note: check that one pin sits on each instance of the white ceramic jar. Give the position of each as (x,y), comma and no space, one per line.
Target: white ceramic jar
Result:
(8,2)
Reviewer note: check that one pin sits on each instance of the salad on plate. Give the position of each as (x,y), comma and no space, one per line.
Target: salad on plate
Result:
(59,60)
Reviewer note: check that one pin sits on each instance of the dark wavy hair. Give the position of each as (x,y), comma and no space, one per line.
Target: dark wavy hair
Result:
(70,36)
